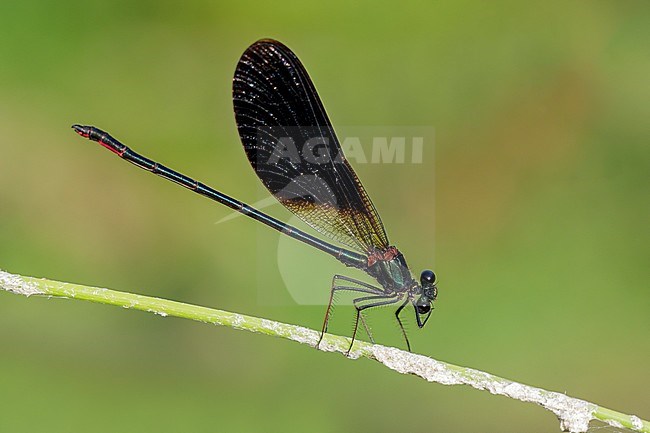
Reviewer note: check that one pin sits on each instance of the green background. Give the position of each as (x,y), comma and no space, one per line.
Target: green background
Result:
(539,181)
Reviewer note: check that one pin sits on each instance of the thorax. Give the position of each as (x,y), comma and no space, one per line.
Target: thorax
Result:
(389,268)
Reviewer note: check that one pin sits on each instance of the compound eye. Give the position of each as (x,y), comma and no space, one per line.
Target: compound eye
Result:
(423,309)
(427,278)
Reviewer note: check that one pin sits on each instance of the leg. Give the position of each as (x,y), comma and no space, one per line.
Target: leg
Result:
(358,282)
(367,328)
(363,288)
(399,310)
(373,301)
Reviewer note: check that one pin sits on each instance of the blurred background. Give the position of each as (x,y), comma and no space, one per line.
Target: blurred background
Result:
(534,202)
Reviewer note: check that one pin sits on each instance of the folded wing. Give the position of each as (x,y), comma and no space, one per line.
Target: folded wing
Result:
(292,147)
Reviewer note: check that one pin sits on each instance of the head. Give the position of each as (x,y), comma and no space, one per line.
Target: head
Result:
(423,304)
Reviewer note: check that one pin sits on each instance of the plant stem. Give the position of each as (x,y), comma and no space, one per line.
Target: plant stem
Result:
(574,414)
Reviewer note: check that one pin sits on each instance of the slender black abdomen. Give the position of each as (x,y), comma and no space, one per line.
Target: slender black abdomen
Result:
(348,258)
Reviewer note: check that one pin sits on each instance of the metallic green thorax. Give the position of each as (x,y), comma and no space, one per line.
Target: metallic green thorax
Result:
(393,274)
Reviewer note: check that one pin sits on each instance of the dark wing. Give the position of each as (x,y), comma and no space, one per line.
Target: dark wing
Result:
(292,147)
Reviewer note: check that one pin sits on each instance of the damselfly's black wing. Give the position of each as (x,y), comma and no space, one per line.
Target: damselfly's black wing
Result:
(292,146)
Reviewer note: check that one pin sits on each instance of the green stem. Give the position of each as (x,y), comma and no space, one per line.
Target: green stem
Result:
(574,414)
